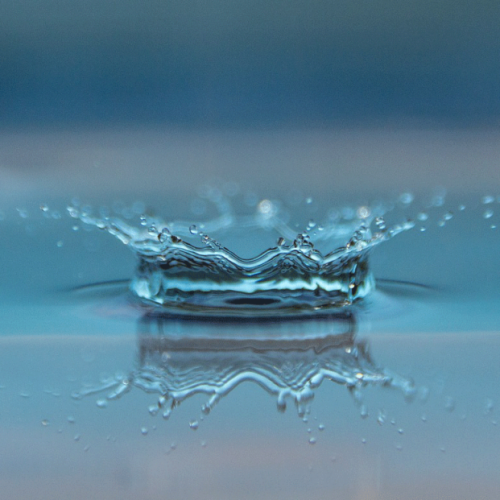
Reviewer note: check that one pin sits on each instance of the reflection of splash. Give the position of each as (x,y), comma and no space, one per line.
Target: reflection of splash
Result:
(288,359)
(324,266)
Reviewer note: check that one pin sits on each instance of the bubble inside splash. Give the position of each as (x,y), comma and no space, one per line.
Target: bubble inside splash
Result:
(208,268)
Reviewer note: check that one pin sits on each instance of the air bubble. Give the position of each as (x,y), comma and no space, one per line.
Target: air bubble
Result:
(193,229)
(422,216)
(45,422)
(101,403)
(194,424)
(486,200)
(488,214)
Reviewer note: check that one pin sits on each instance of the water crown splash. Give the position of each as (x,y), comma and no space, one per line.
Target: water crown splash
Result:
(183,267)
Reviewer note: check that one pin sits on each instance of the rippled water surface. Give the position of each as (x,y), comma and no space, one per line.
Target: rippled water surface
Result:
(394,395)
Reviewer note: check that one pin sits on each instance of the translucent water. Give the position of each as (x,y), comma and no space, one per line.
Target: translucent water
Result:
(404,378)
(323,267)
(289,359)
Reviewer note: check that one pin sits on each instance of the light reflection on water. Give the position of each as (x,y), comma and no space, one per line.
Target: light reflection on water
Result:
(444,338)
(179,358)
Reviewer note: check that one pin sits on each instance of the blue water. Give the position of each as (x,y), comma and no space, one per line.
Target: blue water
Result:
(104,398)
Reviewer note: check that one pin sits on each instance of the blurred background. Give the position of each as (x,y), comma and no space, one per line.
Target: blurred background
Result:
(255,63)
(203,88)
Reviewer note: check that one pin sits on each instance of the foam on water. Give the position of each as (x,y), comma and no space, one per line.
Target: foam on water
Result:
(184,267)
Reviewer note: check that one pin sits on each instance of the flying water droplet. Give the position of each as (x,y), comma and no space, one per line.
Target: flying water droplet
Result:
(487,199)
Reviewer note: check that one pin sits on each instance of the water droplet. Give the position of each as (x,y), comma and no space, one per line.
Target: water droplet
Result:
(312,440)
(144,431)
(203,444)
(73,212)
(194,424)
(44,207)
(76,227)
(281,241)
(76,437)
(193,229)
(164,235)
(438,200)
(45,422)
(71,419)
(449,404)
(488,214)
(101,403)
(400,431)
(461,208)
(381,417)
(60,244)
(363,440)
(487,199)
(423,417)
(448,216)
(422,216)
(406,198)
(380,223)
(153,410)
(489,406)
(309,200)
(363,212)
(321,427)
(266,208)
(143,220)
(152,230)
(364,412)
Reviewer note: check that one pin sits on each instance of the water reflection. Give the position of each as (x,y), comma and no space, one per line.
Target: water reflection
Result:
(178,358)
